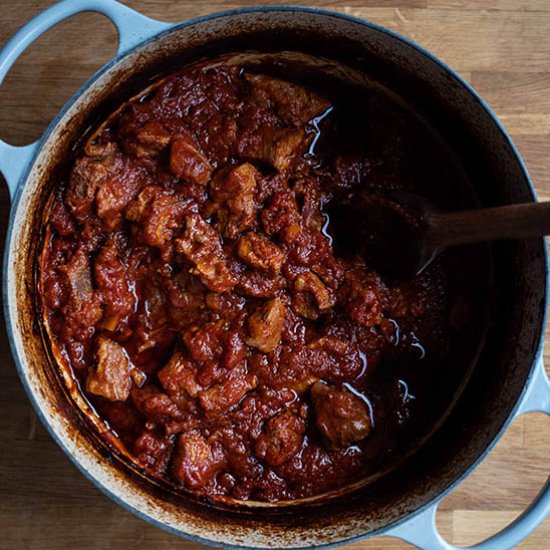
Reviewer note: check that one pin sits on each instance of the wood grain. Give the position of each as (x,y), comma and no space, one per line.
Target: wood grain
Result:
(501,46)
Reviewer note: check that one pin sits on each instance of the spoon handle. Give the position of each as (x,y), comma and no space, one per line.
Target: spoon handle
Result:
(515,221)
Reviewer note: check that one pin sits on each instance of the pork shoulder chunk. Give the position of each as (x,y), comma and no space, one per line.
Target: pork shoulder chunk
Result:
(282,438)
(295,104)
(310,297)
(341,417)
(200,244)
(188,163)
(266,324)
(196,460)
(232,200)
(111,378)
(260,253)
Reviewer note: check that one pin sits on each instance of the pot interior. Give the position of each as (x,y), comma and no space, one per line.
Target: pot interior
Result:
(501,347)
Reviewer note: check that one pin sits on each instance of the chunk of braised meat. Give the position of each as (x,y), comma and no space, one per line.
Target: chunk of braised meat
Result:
(156,406)
(215,341)
(366,297)
(187,162)
(278,136)
(99,161)
(111,378)
(365,308)
(221,397)
(116,285)
(265,325)
(196,460)
(287,147)
(200,244)
(282,438)
(153,450)
(232,200)
(116,191)
(259,252)
(147,140)
(83,308)
(158,215)
(293,103)
(310,297)
(179,379)
(279,148)
(78,275)
(341,417)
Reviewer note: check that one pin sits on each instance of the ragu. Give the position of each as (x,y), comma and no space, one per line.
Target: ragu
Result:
(191,283)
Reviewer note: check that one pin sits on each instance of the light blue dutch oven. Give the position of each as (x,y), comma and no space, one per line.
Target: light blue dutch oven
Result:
(508,379)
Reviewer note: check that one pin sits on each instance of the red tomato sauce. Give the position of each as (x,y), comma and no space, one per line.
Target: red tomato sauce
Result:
(190,280)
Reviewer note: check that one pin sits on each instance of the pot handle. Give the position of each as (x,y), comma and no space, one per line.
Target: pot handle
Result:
(421,530)
(133,28)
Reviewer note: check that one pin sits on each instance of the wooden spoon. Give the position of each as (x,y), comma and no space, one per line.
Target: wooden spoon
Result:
(399,234)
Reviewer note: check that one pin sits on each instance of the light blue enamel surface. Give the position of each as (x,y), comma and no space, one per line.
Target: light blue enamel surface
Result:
(134,29)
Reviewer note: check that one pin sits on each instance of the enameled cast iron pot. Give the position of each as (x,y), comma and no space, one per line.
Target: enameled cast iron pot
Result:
(508,379)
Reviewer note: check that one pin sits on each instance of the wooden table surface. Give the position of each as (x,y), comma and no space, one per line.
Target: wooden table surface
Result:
(501,46)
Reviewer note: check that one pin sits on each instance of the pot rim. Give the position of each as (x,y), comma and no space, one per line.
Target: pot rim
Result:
(15,202)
